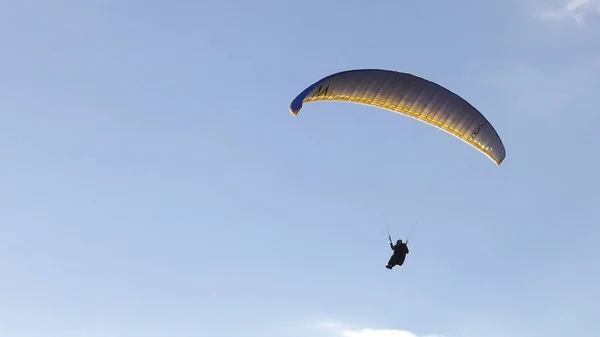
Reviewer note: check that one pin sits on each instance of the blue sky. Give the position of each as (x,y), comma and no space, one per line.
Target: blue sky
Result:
(154,183)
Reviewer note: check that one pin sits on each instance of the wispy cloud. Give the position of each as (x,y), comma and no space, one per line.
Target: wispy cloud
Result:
(576,10)
(344,330)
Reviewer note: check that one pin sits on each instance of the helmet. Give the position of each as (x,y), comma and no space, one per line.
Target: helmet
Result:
(398,242)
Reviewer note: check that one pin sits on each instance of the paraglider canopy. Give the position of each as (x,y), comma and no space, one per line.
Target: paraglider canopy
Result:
(411,96)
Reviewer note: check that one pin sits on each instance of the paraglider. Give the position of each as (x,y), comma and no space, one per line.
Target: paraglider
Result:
(400,250)
(411,96)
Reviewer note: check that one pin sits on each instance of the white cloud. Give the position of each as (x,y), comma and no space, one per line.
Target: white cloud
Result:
(572,9)
(343,330)
(380,333)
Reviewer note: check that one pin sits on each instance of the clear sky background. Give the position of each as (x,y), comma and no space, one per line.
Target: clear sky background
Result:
(153,182)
